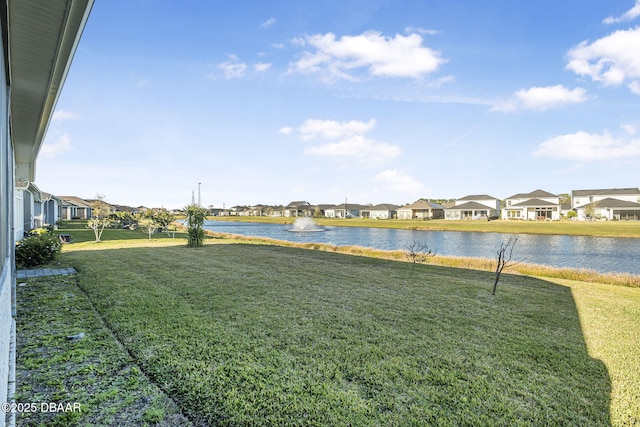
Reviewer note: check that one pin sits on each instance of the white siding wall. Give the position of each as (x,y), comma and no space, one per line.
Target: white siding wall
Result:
(380,214)
(404,213)
(7,244)
(18,215)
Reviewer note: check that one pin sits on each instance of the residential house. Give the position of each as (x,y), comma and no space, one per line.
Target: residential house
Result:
(474,207)
(317,211)
(39,39)
(75,208)
(422,209)
(296,208)
(344,210)
(51,209)
(537,205)
(611,204)
(382,211)
(28,209)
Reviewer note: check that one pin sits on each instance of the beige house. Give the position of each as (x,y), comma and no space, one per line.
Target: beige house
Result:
(422,209)
(75,208)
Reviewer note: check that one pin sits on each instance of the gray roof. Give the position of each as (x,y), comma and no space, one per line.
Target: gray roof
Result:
(349,206)
(422,204)
(534,194)
(613,203)
(478,197)
(384,207)
(74,201)
(605,192)
(533,202)
(297,204)
(470,206)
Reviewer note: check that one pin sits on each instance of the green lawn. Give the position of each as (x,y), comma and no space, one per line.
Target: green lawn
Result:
(264,335)
(95,375)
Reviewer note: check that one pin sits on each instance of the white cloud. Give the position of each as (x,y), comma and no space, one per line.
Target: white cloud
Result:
(286,130)
(442,81)
(411,29)
(542,98)
(347,141)
(629,15)
(268,23)
(262,66)
(400,182)
(359,147)
(612,60)
(332,129)
(583,146)
(380,56)
(629,129)
(64,115)
(233,70)
(52,150)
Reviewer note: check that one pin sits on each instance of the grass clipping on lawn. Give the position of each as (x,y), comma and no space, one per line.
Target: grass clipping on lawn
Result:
(93,376)
(269,335)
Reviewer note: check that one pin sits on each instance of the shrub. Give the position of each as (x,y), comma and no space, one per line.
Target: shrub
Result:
(196,237)
(195,221)
(36,250)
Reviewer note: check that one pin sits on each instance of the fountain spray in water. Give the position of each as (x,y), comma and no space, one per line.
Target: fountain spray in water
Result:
(306,224)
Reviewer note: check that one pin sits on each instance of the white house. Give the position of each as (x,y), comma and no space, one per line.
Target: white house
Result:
(344,210)
(611,204)
(382,211)
(39,39)
(474,207)
(422,209)
(296,208)
(535,206)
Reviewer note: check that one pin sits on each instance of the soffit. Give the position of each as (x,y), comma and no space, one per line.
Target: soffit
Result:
(43,36)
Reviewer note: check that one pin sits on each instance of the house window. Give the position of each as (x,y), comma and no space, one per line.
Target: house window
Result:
(513,214)
(544,213)
(626,215)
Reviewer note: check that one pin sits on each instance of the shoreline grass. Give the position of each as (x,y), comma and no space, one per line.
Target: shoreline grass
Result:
(484,264)
(622,229)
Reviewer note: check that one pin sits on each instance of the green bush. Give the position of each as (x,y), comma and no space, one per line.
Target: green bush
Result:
(196,237)
(36,250)
(195,221)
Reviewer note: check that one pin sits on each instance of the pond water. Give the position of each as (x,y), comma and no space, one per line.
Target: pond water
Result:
(596,253)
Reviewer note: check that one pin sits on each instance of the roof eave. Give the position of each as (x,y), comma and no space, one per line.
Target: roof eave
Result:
(43,37)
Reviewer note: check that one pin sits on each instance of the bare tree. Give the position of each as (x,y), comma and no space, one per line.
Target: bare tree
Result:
(503,258)
(149,226)
(100,211)
(417,252)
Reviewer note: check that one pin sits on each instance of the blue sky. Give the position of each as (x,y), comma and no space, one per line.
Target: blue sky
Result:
(373,101)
